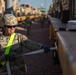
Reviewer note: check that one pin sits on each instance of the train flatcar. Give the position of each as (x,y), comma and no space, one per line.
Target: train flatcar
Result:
(65,10)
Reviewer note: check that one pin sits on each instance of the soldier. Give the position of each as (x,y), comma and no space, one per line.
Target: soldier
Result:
(28,25)
(9,51)
(42,20)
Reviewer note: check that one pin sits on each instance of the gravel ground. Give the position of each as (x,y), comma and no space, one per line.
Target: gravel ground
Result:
(40,64)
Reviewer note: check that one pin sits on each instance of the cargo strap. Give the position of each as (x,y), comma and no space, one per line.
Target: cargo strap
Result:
(8,46)
(36,52)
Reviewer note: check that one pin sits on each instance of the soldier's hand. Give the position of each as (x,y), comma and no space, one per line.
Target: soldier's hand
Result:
(10,57)
(46,49)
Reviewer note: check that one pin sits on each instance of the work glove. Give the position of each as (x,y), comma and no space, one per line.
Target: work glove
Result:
(10,57)
(46,49)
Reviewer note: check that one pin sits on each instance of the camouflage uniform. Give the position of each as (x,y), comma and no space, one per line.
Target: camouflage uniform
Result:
(28,24)
(17,66)
(42,21)
(19,41)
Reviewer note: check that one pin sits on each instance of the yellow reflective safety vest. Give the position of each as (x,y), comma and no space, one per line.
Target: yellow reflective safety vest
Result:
(9,44)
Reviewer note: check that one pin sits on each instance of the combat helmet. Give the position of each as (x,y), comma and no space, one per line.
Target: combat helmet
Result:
(10,20)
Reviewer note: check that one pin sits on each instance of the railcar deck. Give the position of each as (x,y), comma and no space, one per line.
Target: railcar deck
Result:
(66,41)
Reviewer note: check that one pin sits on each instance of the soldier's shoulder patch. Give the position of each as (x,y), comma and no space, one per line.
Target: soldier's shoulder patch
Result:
(18,34)
(21,36)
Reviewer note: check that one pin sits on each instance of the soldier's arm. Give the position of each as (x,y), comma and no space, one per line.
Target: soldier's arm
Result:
(32,45)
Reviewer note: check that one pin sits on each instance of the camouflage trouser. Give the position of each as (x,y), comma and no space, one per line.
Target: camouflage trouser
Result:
(28,30)
(18,67)
(42,23)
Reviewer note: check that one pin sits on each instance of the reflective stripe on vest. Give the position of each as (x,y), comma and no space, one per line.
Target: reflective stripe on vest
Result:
(8,46)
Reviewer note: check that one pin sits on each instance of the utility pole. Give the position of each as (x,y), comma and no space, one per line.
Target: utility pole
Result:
(9,6)
(8,10)
(45,6)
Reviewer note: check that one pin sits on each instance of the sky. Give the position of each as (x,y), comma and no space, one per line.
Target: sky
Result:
(37,3)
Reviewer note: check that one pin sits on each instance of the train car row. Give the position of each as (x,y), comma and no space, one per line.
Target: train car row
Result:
(23,18)
(66,45)
(63,9)
(20,11)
